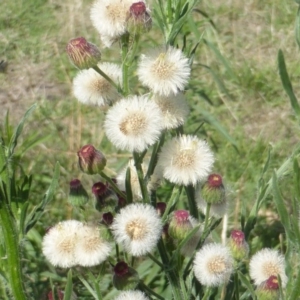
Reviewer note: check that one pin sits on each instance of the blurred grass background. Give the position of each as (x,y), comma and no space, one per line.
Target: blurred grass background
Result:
(235,88)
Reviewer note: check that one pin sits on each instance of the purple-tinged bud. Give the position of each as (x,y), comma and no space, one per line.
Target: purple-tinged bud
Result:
(125,277)
(121,201)
(213,190)
(180,224)
(269,289)
(107,218)
(91,161)
(83,54)
(59,295)
(161,208)
(78,196)
(104,196)
(238,246)
(139,19)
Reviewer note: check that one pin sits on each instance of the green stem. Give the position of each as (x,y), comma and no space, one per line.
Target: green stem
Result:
(156,261)
(236,286)
(125,43)
(98,70)
(117,252)
(112,184)
(190,192)
(144,287)
(207,216)
(136,39)
(169,271)
(139,170)
(207,294)
(154,155)
(12,252)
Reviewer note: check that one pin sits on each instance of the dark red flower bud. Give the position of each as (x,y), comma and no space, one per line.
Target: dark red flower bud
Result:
(91,161)
(213,190)
(107,218)
(83,54)
(104,196)
(160,208)
(78,195)
(125,277)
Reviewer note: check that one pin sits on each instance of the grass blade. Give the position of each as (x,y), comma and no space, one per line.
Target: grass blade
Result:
(287,85)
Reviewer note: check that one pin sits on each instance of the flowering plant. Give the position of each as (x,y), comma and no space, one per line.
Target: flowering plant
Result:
(139,216)
(157,236)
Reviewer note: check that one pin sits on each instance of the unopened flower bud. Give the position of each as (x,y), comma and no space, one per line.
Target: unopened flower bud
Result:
(104,196)
(125,278)
(121,201)
(107,218)
(139,19)
(180,224)
(238,246)
(91,161)
(58,295)
(104,226)
(83,54)
(160,208)
(213,190)
(268,290)
(78,195)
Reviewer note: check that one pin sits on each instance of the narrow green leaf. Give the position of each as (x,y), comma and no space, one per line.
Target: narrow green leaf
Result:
(287,85)
(96,283)
(8,127)
(14,140)
(32,141)
(204,14)
(205,96)
(209,118)
(297,25)
(5,175)
(222,59)
(69,287)
(247,284)
(281,206)
(23,217)
(218,81)
(88,287)
(296,287)
(267,163)
(172,202)
(296,178)
(39,209)
(192,53)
